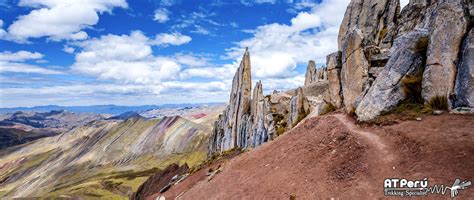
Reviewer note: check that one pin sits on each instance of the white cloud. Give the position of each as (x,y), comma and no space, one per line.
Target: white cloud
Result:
(129,58)
(252,2)
(3,33)
(161,15)
(197,22)
(59,19)
(25,68)
(277,48)
(19,56)
(404,3)
(15,62)
(68,49)
(171,39)
(234,25)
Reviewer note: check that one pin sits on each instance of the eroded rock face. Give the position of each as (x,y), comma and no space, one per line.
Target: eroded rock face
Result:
(334,66)
(246,122)
(406,59)
(448,24)
(377,20)
(230,131)
(310,73)
(465,77)
(299,108)
(355,67)
(263,126)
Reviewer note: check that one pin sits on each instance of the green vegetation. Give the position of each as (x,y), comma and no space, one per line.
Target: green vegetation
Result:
(328,108)
(436,103)
(411,87)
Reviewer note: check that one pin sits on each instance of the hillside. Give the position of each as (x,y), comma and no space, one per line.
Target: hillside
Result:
(22,127)
(105,158)
(331,156)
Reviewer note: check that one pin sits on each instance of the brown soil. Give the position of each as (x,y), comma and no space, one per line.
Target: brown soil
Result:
(331,156)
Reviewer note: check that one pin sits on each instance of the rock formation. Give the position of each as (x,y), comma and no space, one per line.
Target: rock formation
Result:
(245,122)
(334,65)
(406,59)
(310,73)
(263,126)
(376,19)
(448,25)
(465,77)
(314,74)
(299,108)
(355,68)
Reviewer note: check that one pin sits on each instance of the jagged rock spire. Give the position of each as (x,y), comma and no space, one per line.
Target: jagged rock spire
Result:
(245,121)
(310,73)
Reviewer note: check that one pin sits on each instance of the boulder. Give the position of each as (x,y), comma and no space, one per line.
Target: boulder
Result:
(310,73)
(406,58)
(377,20)
(448,24)
(355,67)
(298,109)
(334,65)
(465,77)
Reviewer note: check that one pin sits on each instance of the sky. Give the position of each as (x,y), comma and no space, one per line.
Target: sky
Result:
(153,52)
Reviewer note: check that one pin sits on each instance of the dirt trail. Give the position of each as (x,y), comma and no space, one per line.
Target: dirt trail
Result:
(371,137)
(332,157)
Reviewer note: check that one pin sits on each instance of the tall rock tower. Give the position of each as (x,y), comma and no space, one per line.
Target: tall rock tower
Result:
(245,122)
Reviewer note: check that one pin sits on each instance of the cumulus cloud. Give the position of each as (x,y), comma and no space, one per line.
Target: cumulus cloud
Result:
(161,15)
(171,39)
(58,19)
(15,62)
(25,68)
(19,56)
(277,48)
(130,59)
(68,49)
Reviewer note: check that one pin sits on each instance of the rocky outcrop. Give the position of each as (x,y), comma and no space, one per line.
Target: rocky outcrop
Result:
(310,73)
(376,19)
(263,126)
(314,74)
(448,25)
(298,109)
(230,129)
(334,66)
(160,181)
(246,122)
(355,68)
(465,77)
(406,58)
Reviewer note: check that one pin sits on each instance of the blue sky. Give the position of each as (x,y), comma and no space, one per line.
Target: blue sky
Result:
(91,52)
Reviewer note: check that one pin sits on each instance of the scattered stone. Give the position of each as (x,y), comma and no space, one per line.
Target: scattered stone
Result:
(437,112)
(462,111)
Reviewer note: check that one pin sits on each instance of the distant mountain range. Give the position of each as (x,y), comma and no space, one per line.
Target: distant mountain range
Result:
(99,109)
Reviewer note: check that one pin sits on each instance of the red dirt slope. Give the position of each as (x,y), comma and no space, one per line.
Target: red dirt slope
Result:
(330,156)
